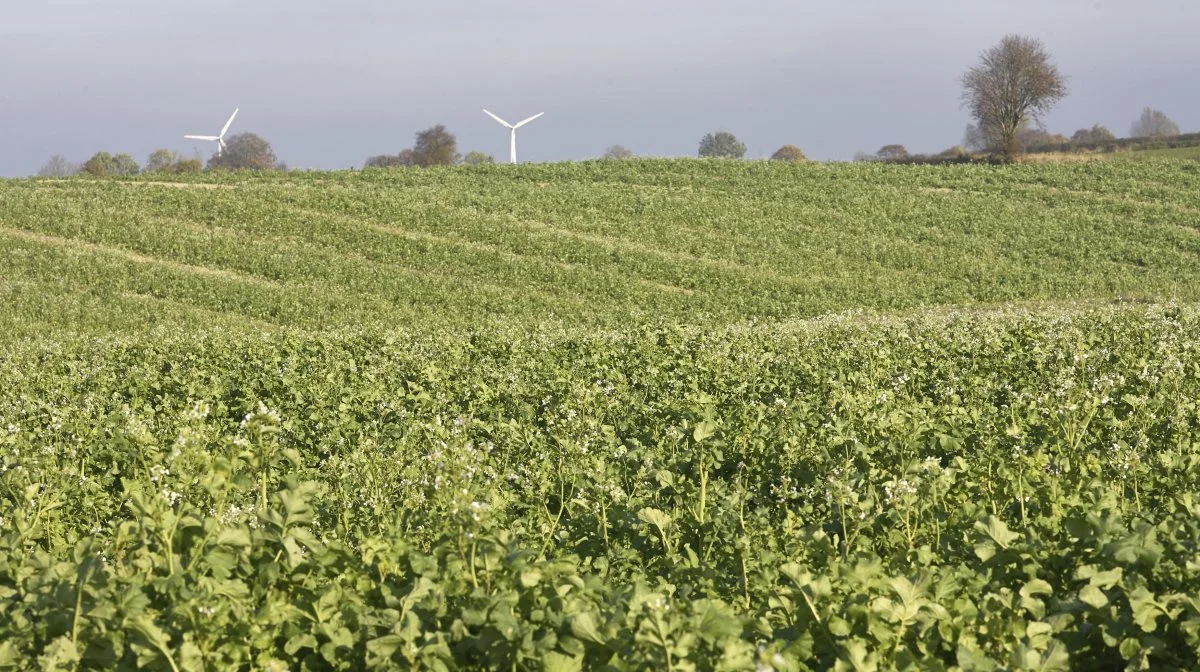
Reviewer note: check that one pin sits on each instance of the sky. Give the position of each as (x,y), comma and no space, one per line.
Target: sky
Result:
(329,84)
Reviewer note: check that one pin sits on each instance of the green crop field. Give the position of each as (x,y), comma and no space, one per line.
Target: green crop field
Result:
(594,244)
(1192,153)
(663,415)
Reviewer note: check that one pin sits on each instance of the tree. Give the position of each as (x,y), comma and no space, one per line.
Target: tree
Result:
(618,152)
(402,160)
(891,153)
(435,146)
(478,158)
(1153,124)
(124,164)
(161,161)
(1014,83)
(1095,135)
(1039,137)
(103,163)
(245,151)
(187,166)
(788,153)
(974,139)
(722,145)
(168,162)
(58,166)
(99,165)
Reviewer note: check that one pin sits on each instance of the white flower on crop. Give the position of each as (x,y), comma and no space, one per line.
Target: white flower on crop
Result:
(897,489)
(158,472)
(200,411)
(172,497)
(261,420)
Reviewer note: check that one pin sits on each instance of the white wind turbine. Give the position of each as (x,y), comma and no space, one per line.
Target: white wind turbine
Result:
(513,127)
(219,139)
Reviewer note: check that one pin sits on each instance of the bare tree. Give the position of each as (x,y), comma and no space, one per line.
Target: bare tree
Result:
(1014,83)
(1153,124)
(788,153)
(58,166)
(618,152)
(435,146)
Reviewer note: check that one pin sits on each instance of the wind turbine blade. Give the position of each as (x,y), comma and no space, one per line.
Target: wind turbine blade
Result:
(503,122)
(230,122)
(210,138)
(522,123)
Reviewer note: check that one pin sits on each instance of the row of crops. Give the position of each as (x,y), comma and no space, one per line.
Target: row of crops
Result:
(955,490)
(598,244)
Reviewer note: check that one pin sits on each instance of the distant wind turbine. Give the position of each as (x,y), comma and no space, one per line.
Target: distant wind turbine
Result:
(513,127)
(219,139)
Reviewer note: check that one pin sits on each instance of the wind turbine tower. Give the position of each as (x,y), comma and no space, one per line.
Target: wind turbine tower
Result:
(513,128)
(219,139)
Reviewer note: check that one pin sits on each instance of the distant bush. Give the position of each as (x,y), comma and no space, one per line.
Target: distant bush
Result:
(1037,137)
(955,152)
(1123,144)
(1096,135)
(169,163)
(618,152)
(103,164)
(402,160)
(478,158)
(788,153)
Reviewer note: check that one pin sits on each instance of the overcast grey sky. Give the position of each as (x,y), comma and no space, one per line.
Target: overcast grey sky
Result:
(332,83)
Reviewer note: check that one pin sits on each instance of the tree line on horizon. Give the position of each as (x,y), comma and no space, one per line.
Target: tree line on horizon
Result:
(1007,94)
(244,151)
(436,146)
